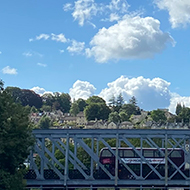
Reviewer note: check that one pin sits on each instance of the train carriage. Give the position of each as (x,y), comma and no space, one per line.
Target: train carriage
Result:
(148,163)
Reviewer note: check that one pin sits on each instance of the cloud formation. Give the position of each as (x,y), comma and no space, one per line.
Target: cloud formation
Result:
(179,11)
(58,38)
(32,53)
(150,94)
(81,89)
(131,38)
(41,64)
(177,99)
(38,90)
(55,37)
(76,47)
(85,10)
(118,5)
(27,54)
(10,71)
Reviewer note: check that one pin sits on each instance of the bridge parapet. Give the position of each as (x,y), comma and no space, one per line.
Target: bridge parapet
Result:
(71,158)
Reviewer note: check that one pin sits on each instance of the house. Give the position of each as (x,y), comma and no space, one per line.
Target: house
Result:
(111,125)
(95,124)
(126,125)
(80,119)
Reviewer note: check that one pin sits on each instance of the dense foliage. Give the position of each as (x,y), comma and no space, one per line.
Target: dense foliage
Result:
(158,115)
(25,97)
(15,141)
(95,107)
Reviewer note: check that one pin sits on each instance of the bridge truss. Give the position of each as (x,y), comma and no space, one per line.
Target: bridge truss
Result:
(69,158)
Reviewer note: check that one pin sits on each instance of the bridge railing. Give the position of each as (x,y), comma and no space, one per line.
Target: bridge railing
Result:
(71,157)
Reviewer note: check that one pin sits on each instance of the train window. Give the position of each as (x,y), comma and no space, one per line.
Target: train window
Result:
(157,154)
(120,153)
(106,153)
(129,153)
(148,153)
(175,154)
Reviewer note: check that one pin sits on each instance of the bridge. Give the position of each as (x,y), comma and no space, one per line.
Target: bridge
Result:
(69,158)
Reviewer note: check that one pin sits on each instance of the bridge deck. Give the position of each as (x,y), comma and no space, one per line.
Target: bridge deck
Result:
(58,154)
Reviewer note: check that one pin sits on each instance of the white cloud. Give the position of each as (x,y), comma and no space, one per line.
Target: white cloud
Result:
(55,37)
(58,38)
(41,64)
(38,90)
(175,99)
(67,7)
(42,36)
(92,24)
(114,17)
(83,10)
(131,38)
(9,70)
(81,89)
(150,94)
(119,5)
(32,53)
(0,52)
(27,54)
(179,11)
(76,47)
(61,51)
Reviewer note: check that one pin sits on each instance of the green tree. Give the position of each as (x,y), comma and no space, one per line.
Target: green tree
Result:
(46,108)
(96,111)
(114,117)
(45,122)
(133,101)
(95,99)
(158,115)
(81,104)
(184,115)
(123,116)
(63,100)
(120,100)
(33,109)
(112,101)
(178,109)
(15,140)
(74,109)
(25,96)
(129,109)
(48,99)
(1,85)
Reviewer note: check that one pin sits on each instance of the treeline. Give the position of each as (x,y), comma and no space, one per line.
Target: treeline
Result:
(16,141)
(94,108)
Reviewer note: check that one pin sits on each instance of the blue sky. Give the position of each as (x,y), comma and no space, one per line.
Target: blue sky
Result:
(92,47)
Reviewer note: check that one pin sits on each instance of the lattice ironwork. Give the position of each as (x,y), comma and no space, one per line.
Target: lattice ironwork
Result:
(71,158)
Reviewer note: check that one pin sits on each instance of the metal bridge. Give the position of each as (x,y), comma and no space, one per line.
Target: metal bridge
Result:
(69,158)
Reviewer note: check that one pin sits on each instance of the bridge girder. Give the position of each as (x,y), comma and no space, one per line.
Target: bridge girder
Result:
(56,159)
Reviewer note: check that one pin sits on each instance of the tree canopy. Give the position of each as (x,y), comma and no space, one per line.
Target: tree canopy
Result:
(81,104)
(15,140)
(25,96)
(74,110)
(158,115)
(57,101)
(95,99)
(96,111)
